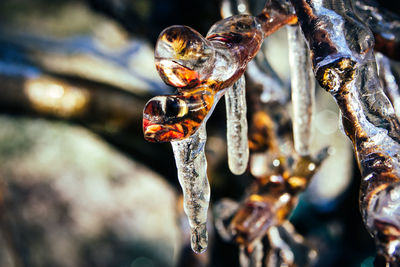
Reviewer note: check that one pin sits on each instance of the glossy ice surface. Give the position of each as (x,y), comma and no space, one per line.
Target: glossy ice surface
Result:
(183,57)
(303,87)
(272,200)
(192,174)
(176,117)
(345,67)
(202,69)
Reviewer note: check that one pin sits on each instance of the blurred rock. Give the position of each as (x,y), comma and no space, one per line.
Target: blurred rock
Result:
(68,38)
(69,199)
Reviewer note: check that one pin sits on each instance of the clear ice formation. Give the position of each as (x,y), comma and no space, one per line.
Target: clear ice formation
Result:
(342,57)
(342,49)
(303,89)
(384,24)
(192,174)
(237,141)
(202,69)
(388,82)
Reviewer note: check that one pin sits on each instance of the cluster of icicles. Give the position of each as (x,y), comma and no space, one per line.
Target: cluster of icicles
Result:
(203,70)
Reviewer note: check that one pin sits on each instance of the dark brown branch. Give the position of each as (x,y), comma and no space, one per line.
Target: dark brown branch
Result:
(345,67)
(384,24)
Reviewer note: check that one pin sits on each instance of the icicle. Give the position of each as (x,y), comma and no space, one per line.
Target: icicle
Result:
(192,174)
(303,87)
(238,147)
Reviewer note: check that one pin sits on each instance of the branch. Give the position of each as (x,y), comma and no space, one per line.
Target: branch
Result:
(344,65)
(384,24)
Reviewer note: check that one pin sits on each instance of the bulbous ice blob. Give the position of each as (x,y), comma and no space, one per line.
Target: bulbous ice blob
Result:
(175,117)
(183,57)
(241,33)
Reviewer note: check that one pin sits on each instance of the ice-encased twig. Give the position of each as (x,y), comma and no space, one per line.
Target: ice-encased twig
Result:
(383,23)
(344,65)
(303,89)
(192,174)
(201,68)
(388,81)
(188,61)
(237,141)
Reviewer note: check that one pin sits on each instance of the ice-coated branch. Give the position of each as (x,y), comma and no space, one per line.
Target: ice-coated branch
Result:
(192,174)
(344,65)
(202,69)
(237,141)
(384,24)
(303,90)
(272,198)
(388,82)
(192,63)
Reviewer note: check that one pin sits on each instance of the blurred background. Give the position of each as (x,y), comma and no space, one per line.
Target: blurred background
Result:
(79,186)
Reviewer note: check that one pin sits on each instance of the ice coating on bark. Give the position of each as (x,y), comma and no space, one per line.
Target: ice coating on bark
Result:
(379,161)
(192,174)
(383,22)
(388,82)
(237,141)
(303,88)
(376,105)
(368,118)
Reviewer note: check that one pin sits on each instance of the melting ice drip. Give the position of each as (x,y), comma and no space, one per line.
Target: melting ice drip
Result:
(192,174)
